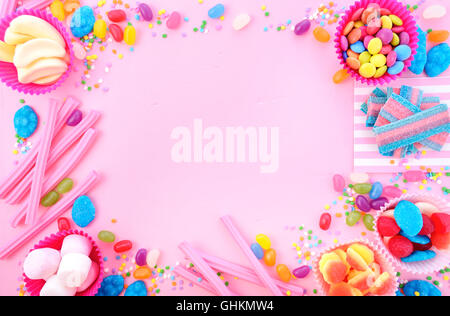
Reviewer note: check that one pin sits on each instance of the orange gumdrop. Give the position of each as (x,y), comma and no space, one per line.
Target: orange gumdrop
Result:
(356,261)
(340,76)
(321,34)
(142,273)
(382,284)
(343,289)
(270,257)
(440,241)
(438,36)
(334,271)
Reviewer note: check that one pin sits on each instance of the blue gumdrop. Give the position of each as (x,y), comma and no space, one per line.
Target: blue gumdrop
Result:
(396,68)
(408,218)
(438,60)
(417,256)
(257,250)
(111,286)
(137,288)
(420,58)
(403,52)
(423,288)
(83,211)
(419,239)
(83,21)
(376,191)
(217,11)
(25,121)
(358,47)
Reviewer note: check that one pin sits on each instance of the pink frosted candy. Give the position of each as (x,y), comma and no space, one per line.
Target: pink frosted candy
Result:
(174,20)
(391,58)
(338,183)
(392,192)
(41,263)
(92,276)
(414,176)
(76,244)
(344,43)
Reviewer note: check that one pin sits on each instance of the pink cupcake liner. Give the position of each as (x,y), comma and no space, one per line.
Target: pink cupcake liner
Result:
(33,287)
(409,24)
(442,258)
(8,72)
(385,265)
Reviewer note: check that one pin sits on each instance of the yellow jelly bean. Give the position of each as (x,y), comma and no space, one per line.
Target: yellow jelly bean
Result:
(283,272)
(367,70)
(396,20)
(321,34)
(380,72)
(57,9)
(263,241)
(100,28)
(340,76)
(129,35)
(379,60)
(364,57)
(375,46)
(358,24)
(386,22)
(395,40)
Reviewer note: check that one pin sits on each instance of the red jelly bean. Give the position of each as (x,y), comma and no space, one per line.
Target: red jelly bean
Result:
(117,15)
(387,227)
(441,222)
(428,226)
(325,221)
(400,246)
(123,246)
(116,32)
(63,224)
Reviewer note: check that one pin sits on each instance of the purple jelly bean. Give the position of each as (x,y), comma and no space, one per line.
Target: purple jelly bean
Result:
(404,38)
(301,272)
(302,27)
(75,118)
(377,204)
(141,257)
(344,43)
(362,203)
(146,12)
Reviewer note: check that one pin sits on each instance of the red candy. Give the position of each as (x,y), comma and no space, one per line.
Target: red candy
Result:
(428,226)
(420,247)
(440,241)
(400,246)
(441,222)
(117,15)
(325,221)
(63,224)
(387,227)
(116,32)
(123,246)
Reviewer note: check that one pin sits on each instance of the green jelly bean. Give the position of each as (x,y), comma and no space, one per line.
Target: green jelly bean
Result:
(353,218)
(64,186)
(50,199)
(106,236)
(362,188)
(368,222)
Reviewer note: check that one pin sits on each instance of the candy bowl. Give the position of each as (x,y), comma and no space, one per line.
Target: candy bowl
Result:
(364,47)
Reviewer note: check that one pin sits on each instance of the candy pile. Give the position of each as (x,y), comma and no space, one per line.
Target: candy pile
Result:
(405,120)
(412,230)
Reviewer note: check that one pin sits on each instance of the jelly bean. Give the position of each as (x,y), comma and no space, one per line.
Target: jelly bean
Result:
(348,28)
(414,175)
(438,36)
(146,12)
(403,52)
(387,227)
(241,21)
(100,28)
(116,32)
(353,63)
(386,22)
(441,222)
(106,236)
(302,27)
(174,20)
(111,286)
(353,218)
(117,15)
(357,14)
(375,46)
(137,288)
(217,11)
(377,204)
(376,191)
(408,217)
(385,35)
(380,72)
(50,199)
(391,58)
(257,250)
(396,68)
(283,272)
(130,35)
(57,10)
(438,60)
(263,241)
(392,191)
(75,118)
(435,11)
(152,257)
(400,247)
(301,272)
(142,273)
(141,257)
(64,186)
(82,22)
(395,40)
(338,183)
(362,188)
(354,36)
(78,51)
(418,256)
(359,177)
(396,20)
(340,76)
(368,221)
(344,43)
(321,34)
(270,257)
(25,121)
(123,246)
(358,47)
(421,288)
(364,57)
(63,224)
(83,211)
(325,221)
(362,203)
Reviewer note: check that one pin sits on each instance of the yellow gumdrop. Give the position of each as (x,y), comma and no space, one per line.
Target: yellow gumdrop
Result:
(57,9)
(263,241)
(367,70)
(340,76)
(395,40)
(396,20)
(364,57)
(100,28)
(375,46)
(379,60)
(380,72)
(386,22)
(129,35)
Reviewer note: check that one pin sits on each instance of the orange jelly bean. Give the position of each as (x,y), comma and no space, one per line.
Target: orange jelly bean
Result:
(283,272)
(142,273)
(340,76)
(270,257)
(321,34)
(438,36)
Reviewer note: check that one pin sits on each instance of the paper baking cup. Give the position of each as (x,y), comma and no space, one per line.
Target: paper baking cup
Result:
(8,72)
(442,258)
(409,24)
(33,287)
(385,265)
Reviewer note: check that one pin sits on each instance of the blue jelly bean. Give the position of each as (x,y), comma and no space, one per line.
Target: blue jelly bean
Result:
(423,288)
(417,256)
(376,191)
(257,250)
(438,60)
(137,288)
(403,52)
(396,68)
(358,47)
(419,239)
(83,211)
(111,286)
(408,218)
(83,21)
(216,11)
(25,121)
(420,58)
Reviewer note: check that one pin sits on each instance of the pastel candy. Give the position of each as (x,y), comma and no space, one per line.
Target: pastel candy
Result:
(403,52)
(423,288)
(396,68)
(338,183)
(420,58)
(438,60)
(216,11)
(83,21)
(417,256)
(359,177)
(25,121)
(76,244)
(408,218)
(241,21)
(404,38)
(435,11)
(427,208)
(152,257)
(385,35)
(41,263)
(83,211)
(376,191)
(74,269)
(357,47)
(91,277)
(111,286)
(419,239)
(137,288)
(257,250)
(392,191)
(55,287)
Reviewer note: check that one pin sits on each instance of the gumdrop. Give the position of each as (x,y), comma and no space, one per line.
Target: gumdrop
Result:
(420,58)
(438,60)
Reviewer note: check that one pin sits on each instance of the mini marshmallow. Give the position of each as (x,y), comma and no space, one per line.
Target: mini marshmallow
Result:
(92,276)
(55,287)
(76,244)
(74,269)
(41,263)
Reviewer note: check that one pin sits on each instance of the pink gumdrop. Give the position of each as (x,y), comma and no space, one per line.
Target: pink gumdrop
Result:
(174,20)
(344,43)
(386,49)
(392,192)
(414,176)
(367,39)
(391,58)
(338,183)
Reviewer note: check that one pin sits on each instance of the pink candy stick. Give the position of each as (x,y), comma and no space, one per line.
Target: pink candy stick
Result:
(194,279)
(259,269)
(205,270)
(79,151)
(59,148)
(27,163)
(50,216)
(36,4)
(41,164)
(7,7)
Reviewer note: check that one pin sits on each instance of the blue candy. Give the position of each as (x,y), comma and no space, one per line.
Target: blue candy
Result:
(424,288)
(376,191)
(138,288)
(345,55)
(420,58)
(438,60)
(25,121)
(111,286)
(83,211)
(417,256)
(257,250)
(403,52)
(358,47)
(396,68)
(83,21)
(217,11)
(408,218)
(419,239)
(399,293)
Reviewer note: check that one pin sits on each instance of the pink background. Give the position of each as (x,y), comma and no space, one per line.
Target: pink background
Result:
(226,78)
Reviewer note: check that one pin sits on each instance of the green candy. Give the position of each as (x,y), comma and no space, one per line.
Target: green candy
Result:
(368,222)
(64,186)
(362,188)
(353,218)
(106,236)
(50,199)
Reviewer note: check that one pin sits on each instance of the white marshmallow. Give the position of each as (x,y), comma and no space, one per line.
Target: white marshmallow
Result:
(74,269)
(55,287)
(76,244)
(92,276)
(41,263)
